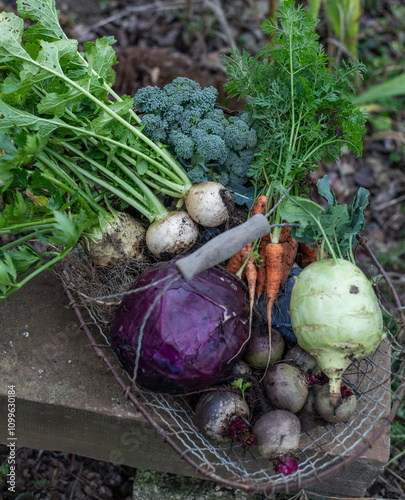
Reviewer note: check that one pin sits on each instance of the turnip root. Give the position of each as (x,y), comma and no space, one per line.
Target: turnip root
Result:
(332,413)
(286,387)
(205,203)
(257,349)
(120,239)
(277,436)
(172,235)
(224,417)
(336,317)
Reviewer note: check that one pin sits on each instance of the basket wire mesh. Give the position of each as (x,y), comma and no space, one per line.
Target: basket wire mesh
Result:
(324,451)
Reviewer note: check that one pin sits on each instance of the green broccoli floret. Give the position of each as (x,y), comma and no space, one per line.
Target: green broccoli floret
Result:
(217,115)
(221,177)
(247,117)
(247,156)
(238,135)
(175,116)
(197,174)
(155,127)
(210,147)
(189,94)
(150,100)
(204,100)
(181,90)
(191,117)
(211,126)
(183,145)
(237,168)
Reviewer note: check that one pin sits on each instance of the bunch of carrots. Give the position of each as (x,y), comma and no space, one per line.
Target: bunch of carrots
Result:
(266,265)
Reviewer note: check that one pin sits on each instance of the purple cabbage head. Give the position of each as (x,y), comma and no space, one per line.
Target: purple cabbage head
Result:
(193,330)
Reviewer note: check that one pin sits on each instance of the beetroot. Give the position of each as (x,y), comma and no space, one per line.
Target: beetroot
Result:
(308,414)
(277,437)
(339,413)
(257,349)
(286,387)
(224,417)
(303,360)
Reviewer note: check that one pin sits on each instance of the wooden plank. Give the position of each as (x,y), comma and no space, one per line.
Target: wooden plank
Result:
(68,401)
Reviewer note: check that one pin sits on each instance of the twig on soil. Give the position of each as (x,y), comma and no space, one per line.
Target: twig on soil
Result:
(139,8)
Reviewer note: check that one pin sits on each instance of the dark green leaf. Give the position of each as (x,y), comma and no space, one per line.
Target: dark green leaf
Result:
(325,190)
(24,257)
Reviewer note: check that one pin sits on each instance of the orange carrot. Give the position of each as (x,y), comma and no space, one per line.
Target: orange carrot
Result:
(235,263)
(285,234)
(310,253)
(250,272)
(274,274)
(290,247)
(260,207)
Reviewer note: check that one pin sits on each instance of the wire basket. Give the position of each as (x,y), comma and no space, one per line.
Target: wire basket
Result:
(378,382)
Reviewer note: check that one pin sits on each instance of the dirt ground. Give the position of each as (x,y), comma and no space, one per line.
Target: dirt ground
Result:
(154,45)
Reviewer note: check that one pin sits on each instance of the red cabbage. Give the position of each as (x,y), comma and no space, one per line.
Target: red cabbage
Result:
(193,331)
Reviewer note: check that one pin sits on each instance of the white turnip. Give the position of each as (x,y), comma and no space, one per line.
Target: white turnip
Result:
(205,203)
(224,417)
(277,436)
(331,413)
(286,387)
(120,238)
(172,235)
(336,317)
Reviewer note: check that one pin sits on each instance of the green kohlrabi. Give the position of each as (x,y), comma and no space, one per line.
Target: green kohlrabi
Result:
(334,311)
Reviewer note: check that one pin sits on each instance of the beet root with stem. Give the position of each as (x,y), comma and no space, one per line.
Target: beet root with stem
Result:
(277,436)
(286,387)
(257,349)
(335,413)
(224,417)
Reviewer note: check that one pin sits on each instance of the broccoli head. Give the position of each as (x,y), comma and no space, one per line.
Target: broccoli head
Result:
(210,147)
(189,94)
(155,127)
(183,145)
(211,126)
(150,100)
(238,134)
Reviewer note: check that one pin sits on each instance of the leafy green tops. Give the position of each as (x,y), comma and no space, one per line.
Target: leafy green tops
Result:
(302,109)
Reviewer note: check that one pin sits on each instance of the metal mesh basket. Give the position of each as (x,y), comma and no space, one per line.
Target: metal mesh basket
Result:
(378,382)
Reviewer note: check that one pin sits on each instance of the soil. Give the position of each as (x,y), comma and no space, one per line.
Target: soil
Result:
(154,45)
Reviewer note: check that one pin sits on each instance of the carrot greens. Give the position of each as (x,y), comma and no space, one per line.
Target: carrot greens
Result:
(302,109)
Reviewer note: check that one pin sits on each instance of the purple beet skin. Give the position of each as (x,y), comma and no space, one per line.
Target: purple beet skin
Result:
(277,436)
